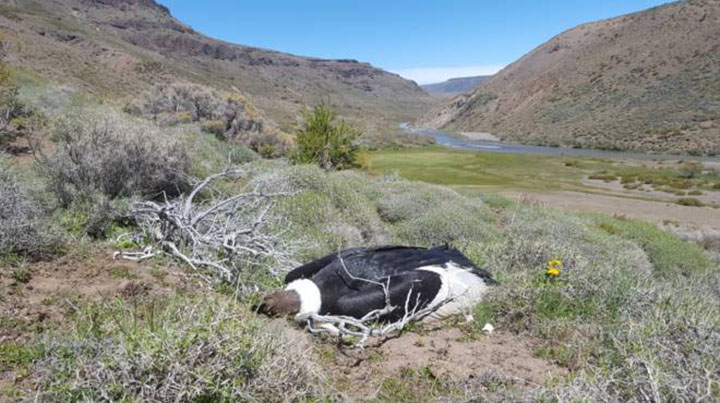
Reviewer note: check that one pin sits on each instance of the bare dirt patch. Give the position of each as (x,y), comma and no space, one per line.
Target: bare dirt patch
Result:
(56,286)
(51,290)
(480,136)
(653,211)
(448,354)
(646,191)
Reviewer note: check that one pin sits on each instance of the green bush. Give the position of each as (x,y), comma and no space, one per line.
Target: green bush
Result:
(325,141)
(207,153)
(334,210)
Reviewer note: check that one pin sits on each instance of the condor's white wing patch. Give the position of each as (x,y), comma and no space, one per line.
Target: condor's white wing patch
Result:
(458,283)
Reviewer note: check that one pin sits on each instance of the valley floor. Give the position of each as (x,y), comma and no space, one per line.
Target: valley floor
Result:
(654,191)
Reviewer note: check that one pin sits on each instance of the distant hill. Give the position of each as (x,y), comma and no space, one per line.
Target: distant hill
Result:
(454,86)
(117,48)
(648,81)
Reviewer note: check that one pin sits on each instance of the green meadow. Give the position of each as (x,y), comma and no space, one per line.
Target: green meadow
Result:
(489,171)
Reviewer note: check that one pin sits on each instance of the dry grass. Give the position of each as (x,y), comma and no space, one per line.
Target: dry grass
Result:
(181,350)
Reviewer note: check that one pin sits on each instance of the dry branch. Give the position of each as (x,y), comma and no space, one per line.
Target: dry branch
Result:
(221,235)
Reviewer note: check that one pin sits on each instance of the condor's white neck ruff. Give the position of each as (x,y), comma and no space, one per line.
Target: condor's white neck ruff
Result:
(310,300)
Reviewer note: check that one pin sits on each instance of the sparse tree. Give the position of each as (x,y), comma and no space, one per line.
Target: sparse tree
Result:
(324,140)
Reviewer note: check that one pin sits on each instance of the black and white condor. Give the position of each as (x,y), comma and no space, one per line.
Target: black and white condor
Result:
(349,283)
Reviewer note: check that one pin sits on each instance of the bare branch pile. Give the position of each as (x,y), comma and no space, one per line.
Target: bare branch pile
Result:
(221,235)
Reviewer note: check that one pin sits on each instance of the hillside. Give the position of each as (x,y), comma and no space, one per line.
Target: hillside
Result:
(648,81)
(116,48)
(454,86)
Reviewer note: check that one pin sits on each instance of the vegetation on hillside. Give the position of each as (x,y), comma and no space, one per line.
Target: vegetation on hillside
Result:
(16,118)
(646,81)
(228,116)
(117,49)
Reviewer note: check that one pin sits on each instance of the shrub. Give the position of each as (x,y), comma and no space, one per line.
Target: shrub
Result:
(690,170)
(330,210)
(431,215)
(16,118)
(325,141)
(103,152)
(24,225)
(603,177)
(689,201)
(227,116)
(335,210)
(209,154)
(215,127)
(204,349)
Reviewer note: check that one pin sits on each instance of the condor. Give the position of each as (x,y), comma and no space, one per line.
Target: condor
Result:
(355,282)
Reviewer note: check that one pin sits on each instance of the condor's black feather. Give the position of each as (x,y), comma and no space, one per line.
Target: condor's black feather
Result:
(351,281)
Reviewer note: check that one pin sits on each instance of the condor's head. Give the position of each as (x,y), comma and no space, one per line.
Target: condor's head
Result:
(281,303)
(299,297)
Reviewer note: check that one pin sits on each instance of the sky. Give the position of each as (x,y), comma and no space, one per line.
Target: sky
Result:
(422,40)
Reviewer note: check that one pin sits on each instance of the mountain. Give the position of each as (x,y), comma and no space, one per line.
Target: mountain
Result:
(454,86)
(117,48)
(648,81)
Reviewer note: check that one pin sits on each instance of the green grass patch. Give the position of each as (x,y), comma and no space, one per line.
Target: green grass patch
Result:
(560,354)
(15,355)
(122,272)
(21,275)
(670,255)
(414,385)
(476,169)
(180,349)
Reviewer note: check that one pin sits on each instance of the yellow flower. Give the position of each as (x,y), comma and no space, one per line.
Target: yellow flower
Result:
(552,272)
(555,263)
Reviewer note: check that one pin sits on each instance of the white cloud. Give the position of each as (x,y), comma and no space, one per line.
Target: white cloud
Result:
(429,75)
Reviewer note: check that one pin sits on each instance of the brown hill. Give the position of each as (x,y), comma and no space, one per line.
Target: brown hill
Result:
(647,81)
(454,86)
(117,48)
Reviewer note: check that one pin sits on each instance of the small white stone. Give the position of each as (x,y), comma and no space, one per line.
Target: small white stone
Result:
(488,328)
(469,318)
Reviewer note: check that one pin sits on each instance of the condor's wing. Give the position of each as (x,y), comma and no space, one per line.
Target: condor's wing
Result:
(414,289)
(310,269)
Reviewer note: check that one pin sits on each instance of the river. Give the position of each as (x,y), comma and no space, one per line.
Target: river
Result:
(447,140)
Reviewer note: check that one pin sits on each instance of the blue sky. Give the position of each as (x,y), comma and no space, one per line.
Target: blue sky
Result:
(424,40)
